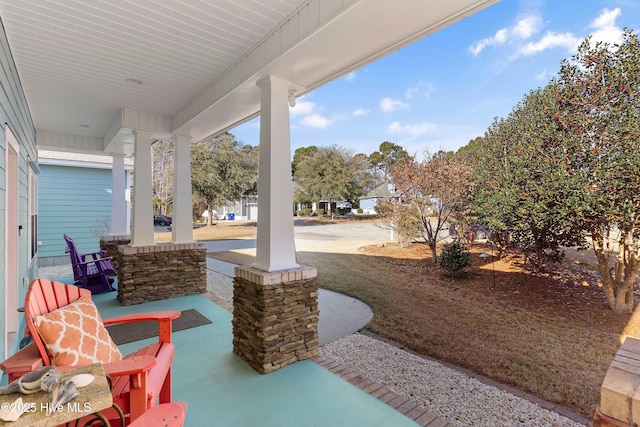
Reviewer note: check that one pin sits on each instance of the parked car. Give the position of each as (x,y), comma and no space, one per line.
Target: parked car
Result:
(161,220)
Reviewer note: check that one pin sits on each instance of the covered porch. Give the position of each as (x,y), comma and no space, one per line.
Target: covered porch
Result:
(222,390)
(163,73)
(121,75)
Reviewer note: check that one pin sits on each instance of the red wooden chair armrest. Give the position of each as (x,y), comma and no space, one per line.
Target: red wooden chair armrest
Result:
(163,318)
(25,360)
(129,366)
(141,317)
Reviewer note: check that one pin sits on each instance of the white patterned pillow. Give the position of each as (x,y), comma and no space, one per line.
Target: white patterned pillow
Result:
(75,335)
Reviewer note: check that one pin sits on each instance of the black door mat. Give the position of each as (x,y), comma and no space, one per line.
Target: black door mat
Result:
(129,332)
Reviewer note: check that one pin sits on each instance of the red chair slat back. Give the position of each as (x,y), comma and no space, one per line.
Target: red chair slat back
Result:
(45,296)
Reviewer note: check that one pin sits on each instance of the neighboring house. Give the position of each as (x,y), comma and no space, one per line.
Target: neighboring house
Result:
(245,208)
(74,194)
(369,202)
(325,206)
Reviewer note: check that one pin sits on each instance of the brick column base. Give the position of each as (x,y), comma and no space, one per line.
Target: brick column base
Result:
(275,316)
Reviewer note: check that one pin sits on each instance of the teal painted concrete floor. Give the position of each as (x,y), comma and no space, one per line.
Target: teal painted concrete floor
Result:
(221,389)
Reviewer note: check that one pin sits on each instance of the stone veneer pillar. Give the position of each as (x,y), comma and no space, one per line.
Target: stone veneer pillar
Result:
(161,271)
(110,244)
(275,316)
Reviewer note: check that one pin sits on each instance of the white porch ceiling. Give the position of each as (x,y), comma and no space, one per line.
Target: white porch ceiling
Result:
(197,61)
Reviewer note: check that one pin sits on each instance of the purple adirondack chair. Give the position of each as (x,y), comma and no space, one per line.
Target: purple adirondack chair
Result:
(92,270)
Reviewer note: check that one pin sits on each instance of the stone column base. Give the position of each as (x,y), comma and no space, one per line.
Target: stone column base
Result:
(110,243)
(275,316)
(150,273)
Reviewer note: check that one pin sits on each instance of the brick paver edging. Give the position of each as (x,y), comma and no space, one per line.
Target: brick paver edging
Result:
(383,394)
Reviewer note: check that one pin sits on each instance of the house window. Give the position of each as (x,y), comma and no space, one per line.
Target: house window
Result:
(32,211)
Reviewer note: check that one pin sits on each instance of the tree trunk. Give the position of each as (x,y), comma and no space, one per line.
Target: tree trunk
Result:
(209,216)
(434,254)
(501,241)
(540,259)
(617,282)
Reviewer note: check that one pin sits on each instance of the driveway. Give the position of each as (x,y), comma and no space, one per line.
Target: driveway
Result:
(309,236)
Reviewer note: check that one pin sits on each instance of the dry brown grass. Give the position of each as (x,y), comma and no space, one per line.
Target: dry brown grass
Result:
(551,335)
(220,230)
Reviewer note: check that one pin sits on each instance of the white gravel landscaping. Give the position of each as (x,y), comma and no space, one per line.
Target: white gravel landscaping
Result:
(461,400)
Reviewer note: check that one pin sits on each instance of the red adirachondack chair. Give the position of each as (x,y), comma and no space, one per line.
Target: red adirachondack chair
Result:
(58,315)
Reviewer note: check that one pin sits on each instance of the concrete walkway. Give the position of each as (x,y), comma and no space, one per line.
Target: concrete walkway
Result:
(340,315)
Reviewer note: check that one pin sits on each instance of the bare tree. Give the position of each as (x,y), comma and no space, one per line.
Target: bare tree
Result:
(430,194)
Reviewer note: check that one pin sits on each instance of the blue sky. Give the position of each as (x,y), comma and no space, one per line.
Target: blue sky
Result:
(447,88)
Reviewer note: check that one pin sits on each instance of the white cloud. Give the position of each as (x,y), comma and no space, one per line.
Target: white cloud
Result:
(527,27)
(422,88)
(389,105)
(551,40)
(315,121)
(605,28)
(413,130)
(302,108)
(351,76)
(358,112)
(523,29)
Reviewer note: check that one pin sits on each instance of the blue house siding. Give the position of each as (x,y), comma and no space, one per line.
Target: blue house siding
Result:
(75,201)
(14,112)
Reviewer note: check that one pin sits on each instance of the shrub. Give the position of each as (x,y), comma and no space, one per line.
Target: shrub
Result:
(407,229)
(454,258)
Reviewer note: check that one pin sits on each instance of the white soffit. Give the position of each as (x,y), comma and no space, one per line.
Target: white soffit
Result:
(197,61)
(344,40)
(74,56)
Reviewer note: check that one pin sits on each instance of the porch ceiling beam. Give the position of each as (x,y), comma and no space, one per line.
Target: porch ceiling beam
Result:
(120,138)
(320,41)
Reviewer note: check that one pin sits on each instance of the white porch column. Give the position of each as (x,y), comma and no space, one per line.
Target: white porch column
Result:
(275,246)
(142,224)
(119,213)
(182,227)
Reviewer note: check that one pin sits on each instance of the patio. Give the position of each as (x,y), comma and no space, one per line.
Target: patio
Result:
(221,388)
